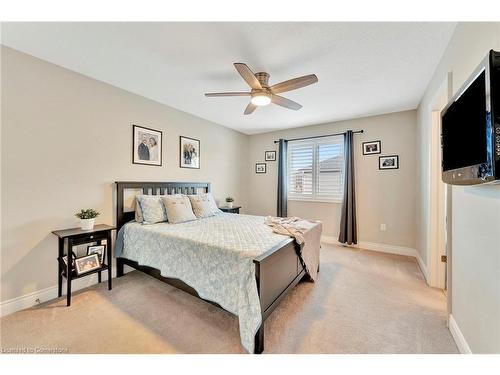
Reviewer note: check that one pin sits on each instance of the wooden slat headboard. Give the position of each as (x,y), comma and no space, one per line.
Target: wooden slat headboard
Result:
(152,188)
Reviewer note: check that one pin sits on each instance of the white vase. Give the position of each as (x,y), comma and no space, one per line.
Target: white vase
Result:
(87,224)
(229,204)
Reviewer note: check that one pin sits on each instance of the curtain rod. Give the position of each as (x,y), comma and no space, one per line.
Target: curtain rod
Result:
(320,136)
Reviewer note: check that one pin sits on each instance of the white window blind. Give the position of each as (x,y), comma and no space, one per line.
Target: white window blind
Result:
(316,169)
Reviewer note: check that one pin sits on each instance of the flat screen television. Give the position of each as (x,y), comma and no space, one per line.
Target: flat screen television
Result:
(470,128)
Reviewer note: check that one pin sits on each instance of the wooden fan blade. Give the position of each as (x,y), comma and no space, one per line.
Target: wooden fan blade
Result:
(250,108)
(248,75)
(293,84)
(214,94)
(284,102)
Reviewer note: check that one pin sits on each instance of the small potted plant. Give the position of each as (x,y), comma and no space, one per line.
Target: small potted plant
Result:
(229,202)
(87,218)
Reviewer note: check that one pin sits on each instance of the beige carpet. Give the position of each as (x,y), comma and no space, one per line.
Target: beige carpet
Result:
(362,302)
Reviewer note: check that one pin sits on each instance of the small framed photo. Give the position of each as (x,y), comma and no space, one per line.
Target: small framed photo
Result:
(370,148)
(87,263)
(65,260)
(100,250)
(270,156)
(189,153)
(388,162)
(146,146)
(260,168)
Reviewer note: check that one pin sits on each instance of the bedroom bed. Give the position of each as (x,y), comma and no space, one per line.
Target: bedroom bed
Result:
(232,261)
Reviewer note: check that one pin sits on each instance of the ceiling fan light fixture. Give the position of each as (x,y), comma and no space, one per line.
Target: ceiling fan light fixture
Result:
(261,99)
(262,94)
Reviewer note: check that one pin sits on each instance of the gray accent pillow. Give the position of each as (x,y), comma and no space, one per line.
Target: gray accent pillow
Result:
(178,208)
(138,211)
(152,209)
(204,205)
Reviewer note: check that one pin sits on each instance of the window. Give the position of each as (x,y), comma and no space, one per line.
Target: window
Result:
(316,169)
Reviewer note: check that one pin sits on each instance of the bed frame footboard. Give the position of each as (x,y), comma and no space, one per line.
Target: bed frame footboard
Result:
(276,273)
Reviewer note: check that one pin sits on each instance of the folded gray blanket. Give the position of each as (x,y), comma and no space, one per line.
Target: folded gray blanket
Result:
(306,233)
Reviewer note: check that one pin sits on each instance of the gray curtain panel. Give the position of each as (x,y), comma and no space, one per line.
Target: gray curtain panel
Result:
(282,178)
(348,232)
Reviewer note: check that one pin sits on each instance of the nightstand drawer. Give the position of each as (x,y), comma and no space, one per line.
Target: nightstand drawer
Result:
(89,237)
(232,210)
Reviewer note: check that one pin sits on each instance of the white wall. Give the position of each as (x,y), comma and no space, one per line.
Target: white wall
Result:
(65,139)
(382,196)
(475,210)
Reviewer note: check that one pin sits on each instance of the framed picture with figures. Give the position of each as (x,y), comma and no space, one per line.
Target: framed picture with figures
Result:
(189,153)
(87,263)
(260,168)
(147,146)
(270,156)
(100,250)
(370,148)
(388,162)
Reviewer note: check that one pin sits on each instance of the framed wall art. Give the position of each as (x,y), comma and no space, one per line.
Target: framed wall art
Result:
(373,147)
(189,153)
(270,156)
(146,146)
(388,162)
(260,168)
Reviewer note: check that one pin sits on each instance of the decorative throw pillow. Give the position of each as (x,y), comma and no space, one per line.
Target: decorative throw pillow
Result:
(178,208)
(138,212)
(204,205)
(152,209)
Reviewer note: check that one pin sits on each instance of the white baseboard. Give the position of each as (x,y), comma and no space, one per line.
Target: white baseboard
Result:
(28,300)
(458,336)
(423,267)
(40,296)
(329,239)
(381,247)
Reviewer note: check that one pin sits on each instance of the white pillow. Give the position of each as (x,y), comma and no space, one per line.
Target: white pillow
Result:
(152,209)
(204,205)
(178,208)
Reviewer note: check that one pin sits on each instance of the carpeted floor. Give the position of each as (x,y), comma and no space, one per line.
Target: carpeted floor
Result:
(362,302)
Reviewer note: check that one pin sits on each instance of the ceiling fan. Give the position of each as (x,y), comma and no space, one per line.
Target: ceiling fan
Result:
(262,94)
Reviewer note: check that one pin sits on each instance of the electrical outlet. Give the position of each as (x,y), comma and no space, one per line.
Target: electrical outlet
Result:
(383,227)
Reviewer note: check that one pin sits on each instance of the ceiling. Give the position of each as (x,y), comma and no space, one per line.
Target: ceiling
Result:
(363,68)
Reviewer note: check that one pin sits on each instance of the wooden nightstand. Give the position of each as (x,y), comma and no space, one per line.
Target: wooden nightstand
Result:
(232,210)
(77,236)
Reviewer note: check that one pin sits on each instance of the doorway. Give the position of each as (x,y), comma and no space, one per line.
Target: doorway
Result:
(437,222)
(439,241)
